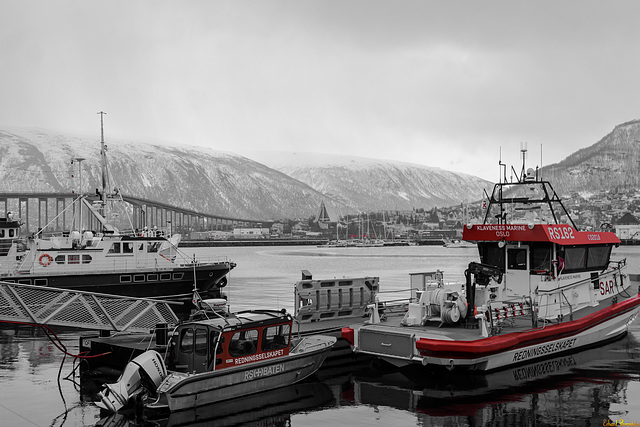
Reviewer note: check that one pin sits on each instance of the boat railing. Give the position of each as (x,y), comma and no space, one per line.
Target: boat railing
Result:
(147,232)
(619,265)
(544,295)
(109,264)
(77,309)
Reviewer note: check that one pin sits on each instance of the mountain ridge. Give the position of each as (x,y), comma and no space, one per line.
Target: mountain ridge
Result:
(211,181)
(608,163)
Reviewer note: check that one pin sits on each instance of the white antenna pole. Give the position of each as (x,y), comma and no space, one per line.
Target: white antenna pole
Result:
(540,178)
(500,167)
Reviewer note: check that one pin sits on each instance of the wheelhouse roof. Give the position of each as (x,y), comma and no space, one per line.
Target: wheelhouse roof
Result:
(244,319)
(562,234)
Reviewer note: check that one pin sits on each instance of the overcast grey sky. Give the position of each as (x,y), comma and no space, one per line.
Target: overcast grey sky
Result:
(441,83)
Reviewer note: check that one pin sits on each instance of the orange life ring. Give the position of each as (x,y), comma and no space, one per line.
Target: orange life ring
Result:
(45,259)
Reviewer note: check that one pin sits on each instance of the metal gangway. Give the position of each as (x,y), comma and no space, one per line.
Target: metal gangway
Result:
(42,305)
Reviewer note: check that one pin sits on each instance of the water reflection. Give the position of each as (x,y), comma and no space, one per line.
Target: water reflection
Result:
(577,388)
(270,408)
(37,349)
(573,389)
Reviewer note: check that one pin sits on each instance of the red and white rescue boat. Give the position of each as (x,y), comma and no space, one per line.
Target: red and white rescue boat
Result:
(541,288)
(215,358)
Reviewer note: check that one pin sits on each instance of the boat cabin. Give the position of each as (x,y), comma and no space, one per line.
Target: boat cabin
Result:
(9,231)
(224,342)
(547,256)
(531,242)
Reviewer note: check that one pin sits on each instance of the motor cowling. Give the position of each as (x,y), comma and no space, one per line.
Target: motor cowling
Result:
(145,371)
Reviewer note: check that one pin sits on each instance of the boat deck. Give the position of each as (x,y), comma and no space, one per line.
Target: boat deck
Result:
(434,329)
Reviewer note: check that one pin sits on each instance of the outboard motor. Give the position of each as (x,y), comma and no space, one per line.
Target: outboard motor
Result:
(148,367)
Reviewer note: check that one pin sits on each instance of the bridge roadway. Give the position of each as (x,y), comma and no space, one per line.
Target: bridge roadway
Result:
(38,209)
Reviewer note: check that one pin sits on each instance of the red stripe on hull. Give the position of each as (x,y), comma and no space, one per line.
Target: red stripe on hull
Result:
(499,344)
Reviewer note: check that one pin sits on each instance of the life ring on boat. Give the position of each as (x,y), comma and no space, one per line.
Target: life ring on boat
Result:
(45,259)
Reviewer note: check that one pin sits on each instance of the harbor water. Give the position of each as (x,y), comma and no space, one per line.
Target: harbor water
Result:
(41,386)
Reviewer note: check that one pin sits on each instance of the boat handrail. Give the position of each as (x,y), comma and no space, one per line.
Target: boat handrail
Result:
(568,286)
(568,304)
(395,291)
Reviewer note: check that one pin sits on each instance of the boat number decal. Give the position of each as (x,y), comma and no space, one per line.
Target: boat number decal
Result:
(264,372)
(606,287)
(561,233)
(259,356)
(541,350)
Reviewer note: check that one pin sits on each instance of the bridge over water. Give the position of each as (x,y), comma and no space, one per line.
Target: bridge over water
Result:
(59,212)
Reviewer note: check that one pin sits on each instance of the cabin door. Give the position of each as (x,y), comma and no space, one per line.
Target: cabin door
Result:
(200,350)
(192,350)
(516,281)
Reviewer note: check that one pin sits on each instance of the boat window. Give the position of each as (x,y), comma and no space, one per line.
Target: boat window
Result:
(517,259)
(115,248)
(275,337)
(165,276)
(541,258)
(2,232)
(60,259)
(598,257)
(186,340)
(243,343)
(153,247)
(24,281)
(125,278)
(178,276)
(584,258)
(138,278)
(11,232)
(86,259)
(141,247)
(201,342)
(152,277)
(574,258)
(40,282)
(491,254)
(74,259)
(127,248)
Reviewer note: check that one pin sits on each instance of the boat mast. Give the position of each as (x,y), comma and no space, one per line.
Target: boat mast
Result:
(79,160)
(103,161)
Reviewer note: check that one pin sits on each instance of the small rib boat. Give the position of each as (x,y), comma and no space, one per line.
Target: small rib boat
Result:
(541,288)
(218,357)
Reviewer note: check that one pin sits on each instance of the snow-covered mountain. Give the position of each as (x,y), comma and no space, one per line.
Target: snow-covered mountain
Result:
(204,180)
(367,184)
(611,162)
(224,183)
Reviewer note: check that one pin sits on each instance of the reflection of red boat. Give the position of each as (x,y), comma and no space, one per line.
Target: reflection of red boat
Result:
(542,288)
(221,358)
(517,389)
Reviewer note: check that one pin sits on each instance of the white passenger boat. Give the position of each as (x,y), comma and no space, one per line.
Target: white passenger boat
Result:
(143,263)
(541,288)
